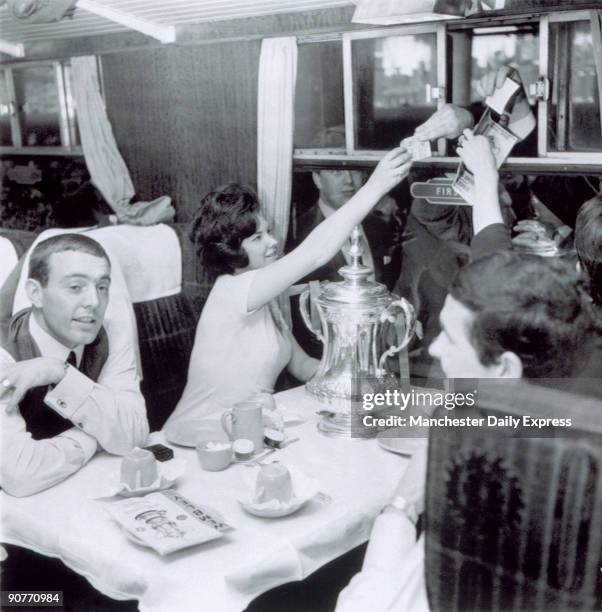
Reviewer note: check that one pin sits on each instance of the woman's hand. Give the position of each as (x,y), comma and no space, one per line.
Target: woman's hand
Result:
(475,151)
(391,170)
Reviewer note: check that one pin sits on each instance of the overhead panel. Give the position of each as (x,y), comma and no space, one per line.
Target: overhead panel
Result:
(148,12)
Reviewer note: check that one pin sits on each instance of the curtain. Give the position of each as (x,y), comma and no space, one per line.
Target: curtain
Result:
(105,164)
(107,169)
(275,124)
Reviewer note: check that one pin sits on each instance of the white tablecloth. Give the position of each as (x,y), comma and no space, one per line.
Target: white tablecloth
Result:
(226,574)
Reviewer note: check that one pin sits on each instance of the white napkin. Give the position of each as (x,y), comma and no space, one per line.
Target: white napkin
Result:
(169,472)
(304,488)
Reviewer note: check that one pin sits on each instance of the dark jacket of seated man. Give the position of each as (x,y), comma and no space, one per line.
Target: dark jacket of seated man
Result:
(65,389)
(383,234)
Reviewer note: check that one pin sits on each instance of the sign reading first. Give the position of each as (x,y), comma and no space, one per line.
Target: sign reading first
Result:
(438,191)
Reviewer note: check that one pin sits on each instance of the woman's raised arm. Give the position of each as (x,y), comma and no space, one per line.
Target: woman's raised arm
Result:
(326,239)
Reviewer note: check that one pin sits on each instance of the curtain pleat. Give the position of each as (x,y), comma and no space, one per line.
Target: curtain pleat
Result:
(105,164)
(275,125)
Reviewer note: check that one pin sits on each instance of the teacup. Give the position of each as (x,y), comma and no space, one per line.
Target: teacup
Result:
(139,469)
(273,482)
(214,455)
(245,420)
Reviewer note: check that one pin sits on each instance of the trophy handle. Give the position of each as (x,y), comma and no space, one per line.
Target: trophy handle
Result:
(303,307)
(410,324)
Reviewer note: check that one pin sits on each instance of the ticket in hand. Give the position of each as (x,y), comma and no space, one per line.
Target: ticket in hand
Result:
(419,149)
(500,98)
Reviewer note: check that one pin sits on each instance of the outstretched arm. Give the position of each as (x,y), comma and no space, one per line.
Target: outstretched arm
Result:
(475,152)
(447,122)
(394,561)
(326,239)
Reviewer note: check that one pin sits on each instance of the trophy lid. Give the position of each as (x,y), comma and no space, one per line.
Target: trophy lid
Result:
(356,288)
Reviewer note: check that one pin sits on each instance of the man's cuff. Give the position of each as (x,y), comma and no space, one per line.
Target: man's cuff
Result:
(67,397)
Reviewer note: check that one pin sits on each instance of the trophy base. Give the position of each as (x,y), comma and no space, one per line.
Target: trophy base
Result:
(335,425)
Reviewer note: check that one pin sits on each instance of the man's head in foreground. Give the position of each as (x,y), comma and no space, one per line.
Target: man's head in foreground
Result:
(510,315)
(588,242)
(68,285)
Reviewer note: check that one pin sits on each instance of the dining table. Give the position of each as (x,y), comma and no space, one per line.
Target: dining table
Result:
(70,521)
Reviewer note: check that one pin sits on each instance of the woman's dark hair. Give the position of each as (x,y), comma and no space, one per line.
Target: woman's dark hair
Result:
(588,242)
(226,216)
(532,306)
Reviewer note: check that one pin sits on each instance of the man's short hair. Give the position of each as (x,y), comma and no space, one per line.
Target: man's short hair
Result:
(532,306)
(588,242)
(40,256)
(226,216)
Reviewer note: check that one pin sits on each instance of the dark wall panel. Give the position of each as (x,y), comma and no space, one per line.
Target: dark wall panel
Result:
(185,118)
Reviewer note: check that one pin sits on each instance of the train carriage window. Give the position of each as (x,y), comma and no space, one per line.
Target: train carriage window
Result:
(491,50)
(37,109)
(319,94)
(480,51)
(574,105)
(38,105)
(394,80)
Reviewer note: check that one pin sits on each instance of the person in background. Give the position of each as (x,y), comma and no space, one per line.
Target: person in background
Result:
(506,316)
(242,342)
(380,229)
(380,232)
(491,235)
(65,392)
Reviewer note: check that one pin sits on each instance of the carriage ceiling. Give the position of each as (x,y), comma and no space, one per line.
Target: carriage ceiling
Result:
(159,19)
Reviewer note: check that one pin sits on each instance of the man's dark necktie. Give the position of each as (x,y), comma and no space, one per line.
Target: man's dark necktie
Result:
(72,359)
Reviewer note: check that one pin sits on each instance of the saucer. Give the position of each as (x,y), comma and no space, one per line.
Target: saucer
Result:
(402,446)
(304,489)
(274,509)
(190,433)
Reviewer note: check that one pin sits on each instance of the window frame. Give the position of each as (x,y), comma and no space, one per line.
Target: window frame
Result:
(568,162)
(350,153)
(67,123)
(543,144)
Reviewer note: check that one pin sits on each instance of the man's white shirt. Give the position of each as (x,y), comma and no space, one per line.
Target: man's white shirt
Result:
(109,414)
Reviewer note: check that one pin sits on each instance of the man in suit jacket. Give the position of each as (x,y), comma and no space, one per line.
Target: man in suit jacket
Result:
(64,392)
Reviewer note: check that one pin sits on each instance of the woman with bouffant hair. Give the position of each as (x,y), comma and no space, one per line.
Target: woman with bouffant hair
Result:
(242,342)
(226,216)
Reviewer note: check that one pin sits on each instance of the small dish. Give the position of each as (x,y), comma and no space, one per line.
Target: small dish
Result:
(243,449)
(214,455)
(304,488)
(402,446)
(169,472)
